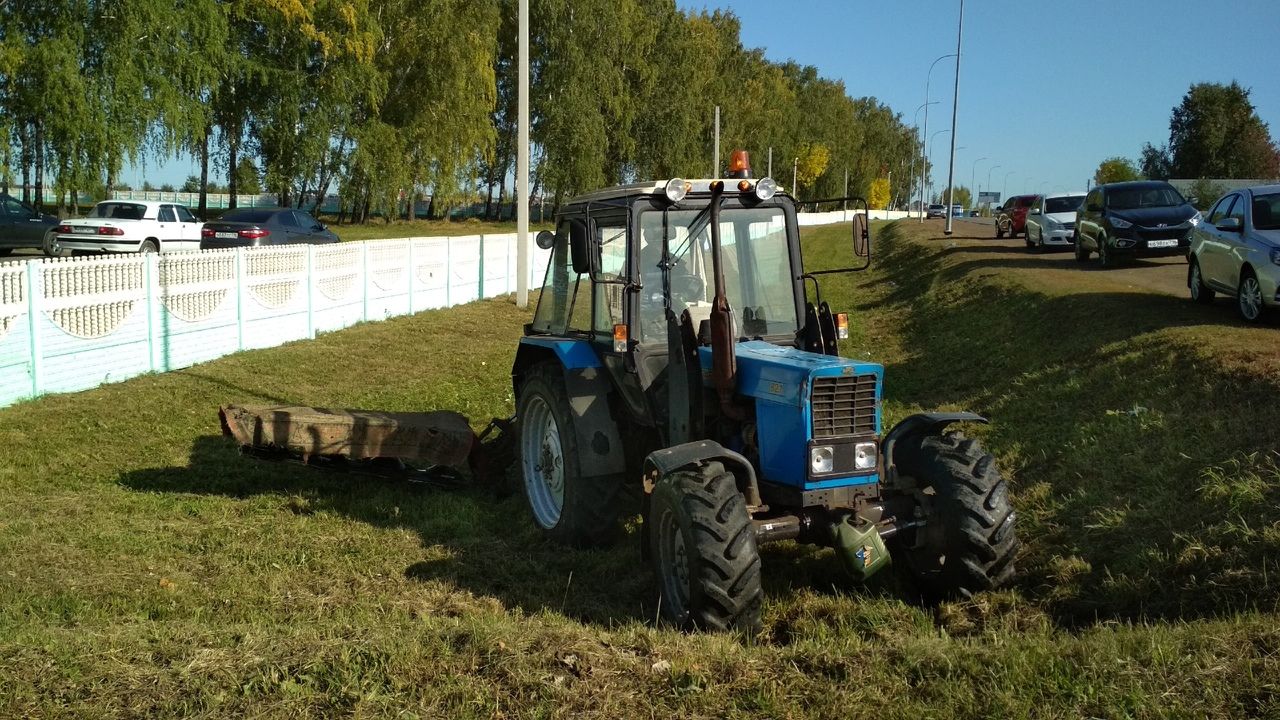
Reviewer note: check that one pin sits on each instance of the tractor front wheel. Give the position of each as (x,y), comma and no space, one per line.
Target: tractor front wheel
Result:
(569,507)
(967,543)
(704,550)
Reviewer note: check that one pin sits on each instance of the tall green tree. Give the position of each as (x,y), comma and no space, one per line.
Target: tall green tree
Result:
(1116,169)
(1216,132)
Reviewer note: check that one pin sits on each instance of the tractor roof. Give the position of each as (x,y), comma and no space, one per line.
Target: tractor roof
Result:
(657,187)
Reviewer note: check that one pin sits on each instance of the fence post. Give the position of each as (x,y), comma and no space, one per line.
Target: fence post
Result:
(413,272)
(240,297)
(311,293)
(480,287)
(151,279)
(35,297)
(364,264)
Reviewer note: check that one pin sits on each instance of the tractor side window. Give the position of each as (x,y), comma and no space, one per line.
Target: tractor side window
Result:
(613,266)
(564,304)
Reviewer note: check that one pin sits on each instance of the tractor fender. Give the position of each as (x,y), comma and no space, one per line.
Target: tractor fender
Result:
(920,424)
(667,460)
(587,384)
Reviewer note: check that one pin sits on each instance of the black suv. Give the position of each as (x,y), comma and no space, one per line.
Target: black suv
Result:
(1144,218)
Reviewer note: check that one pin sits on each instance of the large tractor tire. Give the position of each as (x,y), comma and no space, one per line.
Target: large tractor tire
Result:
(968,542)
(570,508)
(704,550)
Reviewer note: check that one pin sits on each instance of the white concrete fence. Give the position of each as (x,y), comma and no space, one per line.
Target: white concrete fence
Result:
(70,324)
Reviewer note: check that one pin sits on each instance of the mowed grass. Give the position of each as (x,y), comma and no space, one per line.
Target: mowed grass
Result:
(377,229)
(148,569)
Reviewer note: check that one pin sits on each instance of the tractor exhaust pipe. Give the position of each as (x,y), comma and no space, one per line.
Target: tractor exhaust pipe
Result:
(724,363)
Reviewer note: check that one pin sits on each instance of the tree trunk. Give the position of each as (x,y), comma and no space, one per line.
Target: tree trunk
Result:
(24,158)
(431,206)
(39,160)
(233,166)
(203,210)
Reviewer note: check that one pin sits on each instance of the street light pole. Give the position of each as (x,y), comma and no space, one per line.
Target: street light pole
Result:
(972,168)
(523,251)
(993,167)
(929,159)
(1004,189)
(915,154)
(924,166)
(955,106)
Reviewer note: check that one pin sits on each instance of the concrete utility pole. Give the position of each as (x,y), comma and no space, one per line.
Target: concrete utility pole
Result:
(844,205)
(769,172)
(522,165)
(795,173)
(955,104)
(715,154)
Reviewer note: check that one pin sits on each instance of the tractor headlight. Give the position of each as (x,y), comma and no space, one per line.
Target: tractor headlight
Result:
(822,459)
(864,454)
(676,189)
(766,188)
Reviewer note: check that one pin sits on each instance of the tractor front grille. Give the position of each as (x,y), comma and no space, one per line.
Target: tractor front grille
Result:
(844,405)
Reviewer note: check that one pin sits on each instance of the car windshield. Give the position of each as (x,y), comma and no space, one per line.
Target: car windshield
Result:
(248,216)
(1266,212)
(935,207)
(757,270)
(1063,204)
(119,211)
(1151,196)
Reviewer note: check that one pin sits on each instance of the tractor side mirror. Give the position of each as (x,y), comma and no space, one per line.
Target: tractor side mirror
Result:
(545,239)
(584,253)
(861,236)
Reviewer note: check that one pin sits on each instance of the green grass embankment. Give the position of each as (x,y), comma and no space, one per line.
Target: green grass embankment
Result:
(148,569)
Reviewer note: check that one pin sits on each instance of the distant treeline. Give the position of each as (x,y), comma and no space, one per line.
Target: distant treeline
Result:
(380,100)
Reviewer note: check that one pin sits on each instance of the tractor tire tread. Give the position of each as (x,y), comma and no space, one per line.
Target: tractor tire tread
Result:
(972,501)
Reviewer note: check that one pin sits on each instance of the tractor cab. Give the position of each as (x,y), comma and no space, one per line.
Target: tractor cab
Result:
(680,346)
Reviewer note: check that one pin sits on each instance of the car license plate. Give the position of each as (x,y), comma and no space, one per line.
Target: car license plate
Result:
(1162,243)
(84,230)
(225,235)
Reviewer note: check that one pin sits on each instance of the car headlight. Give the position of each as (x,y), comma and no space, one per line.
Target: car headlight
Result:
(1195,219)
(1120,223)
(822,459)
(1275,257)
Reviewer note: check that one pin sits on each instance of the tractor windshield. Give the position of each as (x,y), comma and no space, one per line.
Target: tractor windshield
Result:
(757,270)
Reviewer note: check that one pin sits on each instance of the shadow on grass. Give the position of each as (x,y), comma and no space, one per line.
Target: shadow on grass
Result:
(1112,427)
(493,549)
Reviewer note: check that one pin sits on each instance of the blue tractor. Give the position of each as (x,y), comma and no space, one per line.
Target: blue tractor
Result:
(681,354)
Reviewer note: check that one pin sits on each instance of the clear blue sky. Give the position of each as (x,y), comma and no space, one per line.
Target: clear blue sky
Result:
(1047,89)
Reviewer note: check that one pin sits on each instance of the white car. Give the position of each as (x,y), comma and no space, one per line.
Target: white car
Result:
(1051,220)
(121,226)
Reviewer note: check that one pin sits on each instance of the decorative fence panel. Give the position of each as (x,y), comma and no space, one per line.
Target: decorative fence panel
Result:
(70,324)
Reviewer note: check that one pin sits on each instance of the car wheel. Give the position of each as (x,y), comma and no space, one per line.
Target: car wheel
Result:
(1249,297)
(1082,254)
(1200,292)
(999,230)
(148,246)
(1027,238)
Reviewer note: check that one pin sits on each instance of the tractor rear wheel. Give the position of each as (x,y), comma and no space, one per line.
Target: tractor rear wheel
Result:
(570,508)
(968,543)
(704,550)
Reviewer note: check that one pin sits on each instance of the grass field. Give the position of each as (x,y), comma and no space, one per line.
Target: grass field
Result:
(380,230)
(146,569)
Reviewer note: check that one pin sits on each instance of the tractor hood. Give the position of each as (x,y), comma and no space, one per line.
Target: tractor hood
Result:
(779,374)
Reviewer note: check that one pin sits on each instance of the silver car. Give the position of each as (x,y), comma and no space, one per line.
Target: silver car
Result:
(1236,251)
(1051,220)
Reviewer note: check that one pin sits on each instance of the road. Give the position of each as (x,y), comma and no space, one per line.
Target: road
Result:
(1166,275)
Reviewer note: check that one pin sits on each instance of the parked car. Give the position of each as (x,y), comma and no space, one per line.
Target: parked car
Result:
(1141,218)
(264,226)
(957,211)
(936,210)
(975,212)
(1051,221)
(1011,218)
(1235,250)
(121,226)
(22,226)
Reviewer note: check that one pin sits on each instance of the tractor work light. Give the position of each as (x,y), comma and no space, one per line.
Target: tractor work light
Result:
(766,188)
(676,189)
(620,338)
(822,459)
(864,455)
(842,326)
(744,185)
